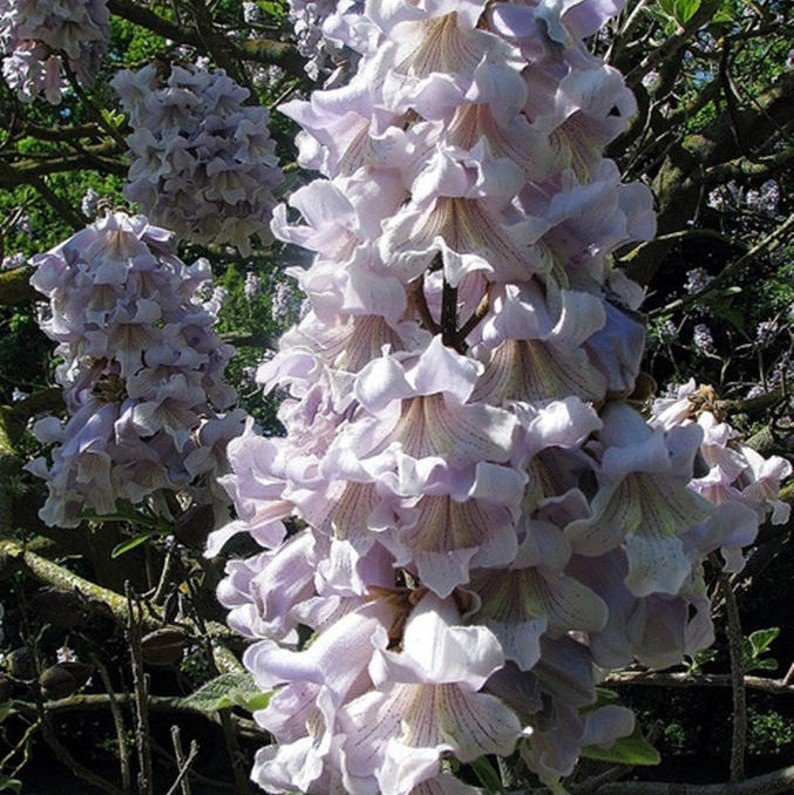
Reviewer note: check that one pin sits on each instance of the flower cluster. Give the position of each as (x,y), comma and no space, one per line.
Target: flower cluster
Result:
(329,33)
(484,523)
(142,374)
(38,39)
(733,474)
(203,164)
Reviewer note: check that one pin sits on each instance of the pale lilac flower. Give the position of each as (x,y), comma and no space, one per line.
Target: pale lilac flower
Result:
(765,199)
(24,224)
(13,261)
(35,37)
(253,286)
(251,12)
(766,331)
(281,302)
(142,374)
(203,163)
(89,204)
(702,339)
(650,78)
(742,483)
(696,280)
(717,199)
(426,702)
(486,524)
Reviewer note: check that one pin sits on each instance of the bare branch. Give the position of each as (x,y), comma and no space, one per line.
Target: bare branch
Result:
(733,629)
(182,782)
(15,287)
(449,314)
(731,269)
(118,723)
(673,45)
(140,683)
(777,687)
(261,50)
(768,784)
(53,574)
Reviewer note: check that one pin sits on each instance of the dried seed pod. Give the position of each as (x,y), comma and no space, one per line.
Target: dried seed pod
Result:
(20,663)
(163,646)
(63,679)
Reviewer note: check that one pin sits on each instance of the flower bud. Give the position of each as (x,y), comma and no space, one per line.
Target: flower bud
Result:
(63,679)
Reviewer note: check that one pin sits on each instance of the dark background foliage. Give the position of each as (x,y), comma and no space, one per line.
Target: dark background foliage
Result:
(714,139)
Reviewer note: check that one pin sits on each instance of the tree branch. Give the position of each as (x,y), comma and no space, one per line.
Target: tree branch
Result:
(15,287)
(730,270)
(678,186)
(733,630)
(768,784)
(777,687)
(672,46)
(449,314)
(262,50)
(53,574)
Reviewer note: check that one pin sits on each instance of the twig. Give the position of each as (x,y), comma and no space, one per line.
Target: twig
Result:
(63,208)
(227,724)
(79,770)
(479,313)
(769,784)
(165,574)
(261,50)
(118,723)
(731,95)
(729,270)
(92,109)
(417,299)
(756,405)
(673,44)
(235,754)
(168,760)
(84,702)
(15,287)
(733,630)
(53,574)
(183,763)
(778,687)
(449,314)
(140,684)
(23,745)
(681,234)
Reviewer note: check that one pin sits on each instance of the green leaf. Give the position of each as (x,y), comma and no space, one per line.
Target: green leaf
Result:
(762,639)
(6,710)
(684,10)
(755,645)
(228,690)
(8,783)
(733,316)
(131,543)
(724,15)
(700,658)
(633,750)
(487,776)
